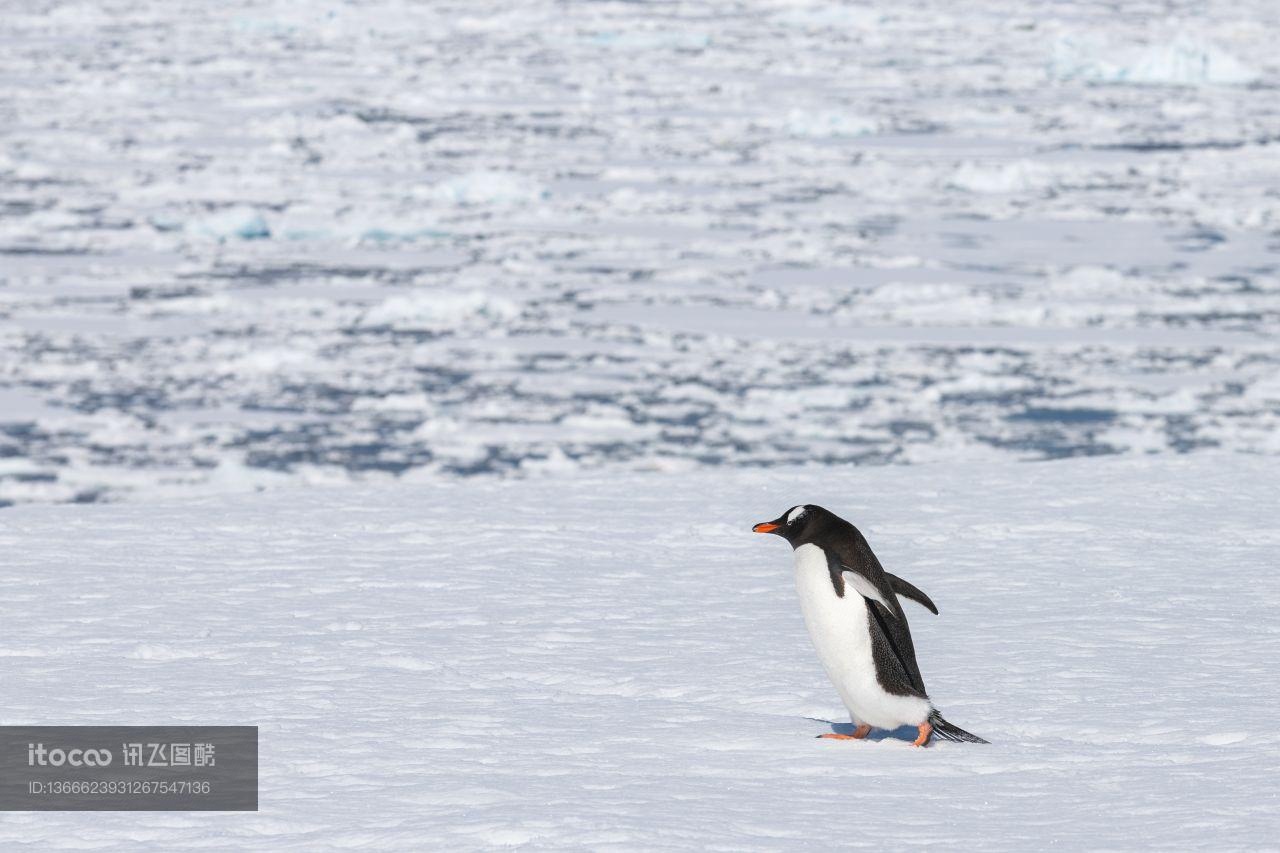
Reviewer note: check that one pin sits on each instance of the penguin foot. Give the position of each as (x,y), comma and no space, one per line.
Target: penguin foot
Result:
(858,734)
(926,732)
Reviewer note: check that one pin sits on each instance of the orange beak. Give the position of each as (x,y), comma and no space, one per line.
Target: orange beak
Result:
(764,527)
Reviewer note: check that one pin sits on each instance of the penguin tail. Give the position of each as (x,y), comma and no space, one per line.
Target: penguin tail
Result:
(952,732)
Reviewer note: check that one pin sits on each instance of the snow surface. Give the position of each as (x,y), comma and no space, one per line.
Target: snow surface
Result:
(263,243)
(617,663)
(443,355)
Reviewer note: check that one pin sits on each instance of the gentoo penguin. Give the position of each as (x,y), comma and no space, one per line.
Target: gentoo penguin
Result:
(852,612)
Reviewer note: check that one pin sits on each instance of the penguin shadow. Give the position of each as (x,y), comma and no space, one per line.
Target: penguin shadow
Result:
(907,733)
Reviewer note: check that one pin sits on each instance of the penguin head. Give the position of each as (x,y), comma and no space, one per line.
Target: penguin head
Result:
(798,525)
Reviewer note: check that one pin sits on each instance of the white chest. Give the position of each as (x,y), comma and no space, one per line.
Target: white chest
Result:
(842,637)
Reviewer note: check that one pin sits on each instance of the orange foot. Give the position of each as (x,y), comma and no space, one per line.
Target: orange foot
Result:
(858,734)
(926,732)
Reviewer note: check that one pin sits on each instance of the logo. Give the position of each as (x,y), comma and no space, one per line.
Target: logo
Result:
(38,756)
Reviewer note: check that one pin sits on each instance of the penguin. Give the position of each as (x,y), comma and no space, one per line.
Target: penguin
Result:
(850,606)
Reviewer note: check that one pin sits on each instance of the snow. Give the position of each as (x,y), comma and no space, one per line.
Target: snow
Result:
(405,379)
(619,663)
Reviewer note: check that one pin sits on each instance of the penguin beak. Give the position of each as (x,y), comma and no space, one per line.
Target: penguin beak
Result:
(765,527)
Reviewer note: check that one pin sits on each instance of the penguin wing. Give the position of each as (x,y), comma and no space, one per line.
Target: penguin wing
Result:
(907,590)
(890,634)
(865,588)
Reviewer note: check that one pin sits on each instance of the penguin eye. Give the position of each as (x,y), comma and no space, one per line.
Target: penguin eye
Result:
(796,515)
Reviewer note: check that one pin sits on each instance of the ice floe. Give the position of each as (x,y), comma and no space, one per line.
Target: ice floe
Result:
(1185,60)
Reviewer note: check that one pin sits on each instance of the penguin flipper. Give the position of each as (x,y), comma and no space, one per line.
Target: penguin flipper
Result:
(866,588)
(909,590)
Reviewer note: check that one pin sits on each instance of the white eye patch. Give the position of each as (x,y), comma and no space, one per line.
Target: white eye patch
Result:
(795,514)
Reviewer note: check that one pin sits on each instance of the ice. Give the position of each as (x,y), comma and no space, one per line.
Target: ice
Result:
(820,16)
(829,123)
(1019,176)
(651,40)
(249,245)
(439,310)
(239,222)
(1188,61)
(614,662)
(1185,60)
(491,188)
